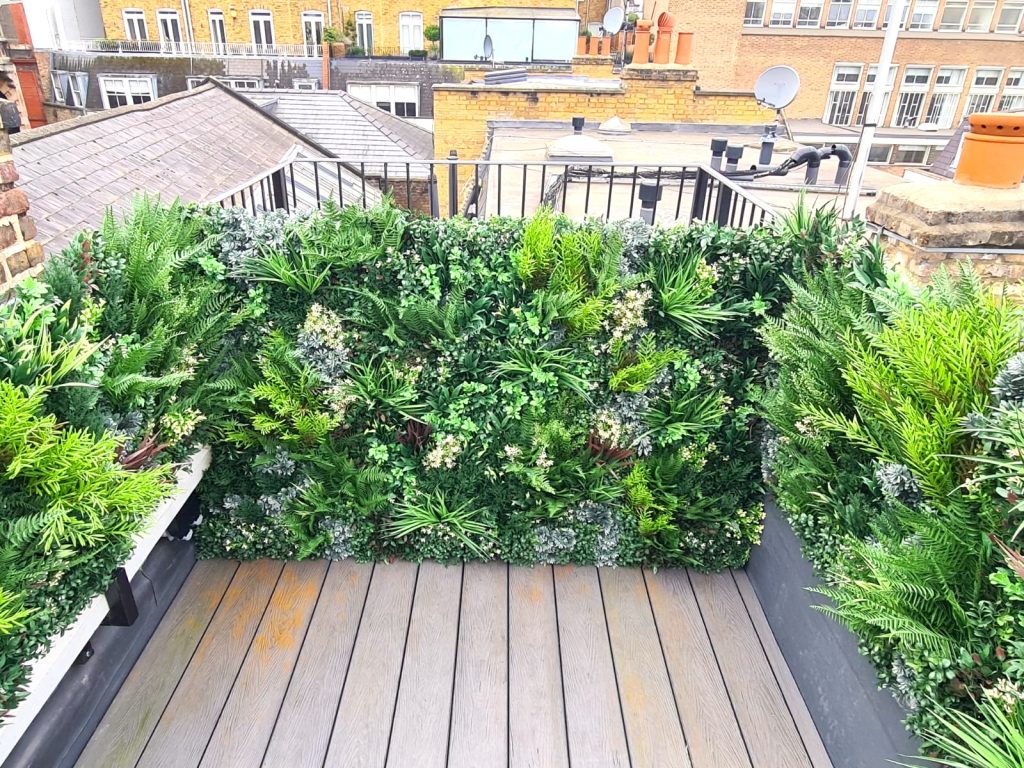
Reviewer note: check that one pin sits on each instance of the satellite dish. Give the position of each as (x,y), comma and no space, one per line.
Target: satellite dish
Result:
(488,47)
(777,87)
(612,21)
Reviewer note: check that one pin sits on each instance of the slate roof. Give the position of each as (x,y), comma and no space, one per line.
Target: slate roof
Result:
(195,146)
(351,129)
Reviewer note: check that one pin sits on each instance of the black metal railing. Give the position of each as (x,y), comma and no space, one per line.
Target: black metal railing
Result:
(482,188)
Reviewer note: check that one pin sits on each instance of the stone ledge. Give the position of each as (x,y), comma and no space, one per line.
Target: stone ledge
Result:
(669,72)
(949,216)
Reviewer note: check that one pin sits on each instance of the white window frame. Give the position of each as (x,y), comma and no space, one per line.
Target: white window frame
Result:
(218,30)
(306,84)
(265,19)
(924,15)
(751,20)
(840,12)
(316,19)
(167,43)
(913,90)
(1012,25)
(135,27)
(977,26)
(888,15)
(869,84)
(131,85)
(809,20)
(951,25)
(866,15)
(386,93)
(78,87)
(784,17)
(364,31)
(410,31)
(843,89)
(1013,90)
(985,91)
(946,95)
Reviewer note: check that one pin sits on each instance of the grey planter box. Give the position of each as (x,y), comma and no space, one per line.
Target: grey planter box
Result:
(860,725)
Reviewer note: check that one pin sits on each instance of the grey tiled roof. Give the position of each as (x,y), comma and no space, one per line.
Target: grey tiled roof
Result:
(194,146)
(350,128)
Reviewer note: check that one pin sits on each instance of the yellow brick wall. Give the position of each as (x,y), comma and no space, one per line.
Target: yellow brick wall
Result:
(287,16)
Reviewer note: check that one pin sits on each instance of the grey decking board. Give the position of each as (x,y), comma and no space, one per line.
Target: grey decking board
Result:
(304,724)
(247,721)
(653,728)
(419,734)
(127,725)
(768,729)
(794,701)
(363,724)
(192,713)
(712,734)
(536,712)
(596,732)
(479,722)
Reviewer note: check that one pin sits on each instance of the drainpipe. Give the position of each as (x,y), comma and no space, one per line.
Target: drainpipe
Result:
(190,35)
(874,115)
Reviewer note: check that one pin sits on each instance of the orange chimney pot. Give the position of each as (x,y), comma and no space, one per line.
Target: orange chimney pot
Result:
(993,151)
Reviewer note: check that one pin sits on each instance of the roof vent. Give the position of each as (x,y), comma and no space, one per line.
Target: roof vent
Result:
(614,125)
(577,148)
(502,76)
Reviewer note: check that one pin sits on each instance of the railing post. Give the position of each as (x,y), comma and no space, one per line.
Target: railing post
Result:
(700,194)
(724,205)
(453,184)
(279,193)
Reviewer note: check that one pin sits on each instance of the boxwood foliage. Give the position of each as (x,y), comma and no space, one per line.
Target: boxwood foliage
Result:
(538,391)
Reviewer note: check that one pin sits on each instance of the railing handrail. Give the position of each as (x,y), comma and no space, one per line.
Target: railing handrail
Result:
(183,48)
(712,196)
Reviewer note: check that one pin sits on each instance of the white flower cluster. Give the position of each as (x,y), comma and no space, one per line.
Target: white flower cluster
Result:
(321,343)
(543,461)
(628,313)
(444,453)
(1006,694)
(608,428)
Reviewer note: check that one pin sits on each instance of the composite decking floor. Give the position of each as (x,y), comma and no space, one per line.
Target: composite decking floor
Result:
(343,664)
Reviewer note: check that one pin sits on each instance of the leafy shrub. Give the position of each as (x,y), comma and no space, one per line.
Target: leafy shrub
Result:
(512,388)
(894,450)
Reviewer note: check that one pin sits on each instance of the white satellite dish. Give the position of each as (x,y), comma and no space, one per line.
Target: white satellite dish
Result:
(777,87)
(488,47)
(612,21)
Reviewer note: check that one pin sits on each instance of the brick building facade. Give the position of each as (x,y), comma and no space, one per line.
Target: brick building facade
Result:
(953,57)
(387,27)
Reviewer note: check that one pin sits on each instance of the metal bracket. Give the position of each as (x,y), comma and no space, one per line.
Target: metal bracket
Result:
(123,608)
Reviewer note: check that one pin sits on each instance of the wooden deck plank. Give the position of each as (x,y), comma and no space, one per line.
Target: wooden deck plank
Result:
(653,728)
(363,724)
(419,735)
(596,731)
(126,727)
(712,733)
(304,724)
(764,718)
(536,710)
(479,729)
(794,700)
(248,718)
(191,715)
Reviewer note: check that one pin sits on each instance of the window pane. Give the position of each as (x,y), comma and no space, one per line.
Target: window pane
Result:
(950,76)
(987,77)
(909,154)
(952,19)
(840,107)
(867,14)
(754,14)
(924,14)
(809,14)
(839,13)
(879,153)
(941,109)
(1009,17)
(980,19)
(782,13)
